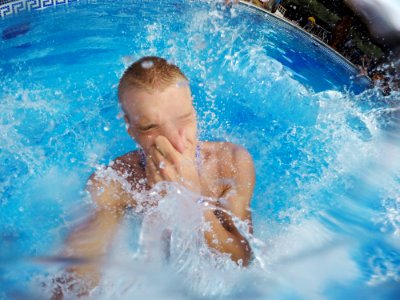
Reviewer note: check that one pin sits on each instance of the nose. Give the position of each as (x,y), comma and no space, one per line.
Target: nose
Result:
(176,137)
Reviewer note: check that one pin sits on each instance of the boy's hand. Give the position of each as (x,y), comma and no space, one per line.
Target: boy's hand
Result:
(164,163)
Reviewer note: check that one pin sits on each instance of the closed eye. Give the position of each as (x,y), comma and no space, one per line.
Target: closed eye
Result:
(147,128)
(186,117)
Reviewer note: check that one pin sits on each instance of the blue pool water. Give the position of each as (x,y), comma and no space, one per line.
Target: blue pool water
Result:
(326,205)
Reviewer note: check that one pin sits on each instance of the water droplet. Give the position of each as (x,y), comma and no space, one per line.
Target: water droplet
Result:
(161,165)
(147,64)
(182,83)
(106,128)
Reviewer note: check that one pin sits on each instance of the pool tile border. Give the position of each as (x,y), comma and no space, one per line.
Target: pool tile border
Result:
(13,7)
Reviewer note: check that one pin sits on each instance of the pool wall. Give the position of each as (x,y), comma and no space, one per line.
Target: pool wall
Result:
(13,7)
(339,58)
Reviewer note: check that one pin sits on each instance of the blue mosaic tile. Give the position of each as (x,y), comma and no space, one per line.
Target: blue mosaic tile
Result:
(5,1)
(33,4)
(13,7)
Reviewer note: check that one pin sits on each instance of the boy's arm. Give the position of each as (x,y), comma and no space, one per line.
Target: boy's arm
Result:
(223,235)
(89,242)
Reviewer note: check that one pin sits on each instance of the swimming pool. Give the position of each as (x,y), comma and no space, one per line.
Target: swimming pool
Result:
(326,203)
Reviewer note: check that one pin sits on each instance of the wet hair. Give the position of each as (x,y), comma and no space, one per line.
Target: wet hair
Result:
(150,73)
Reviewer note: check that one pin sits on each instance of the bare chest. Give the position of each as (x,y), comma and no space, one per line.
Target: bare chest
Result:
(213,184)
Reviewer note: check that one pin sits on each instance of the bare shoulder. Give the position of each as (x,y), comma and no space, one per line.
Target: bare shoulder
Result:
(230,155)
(128,165)
(235,163)
(111,186)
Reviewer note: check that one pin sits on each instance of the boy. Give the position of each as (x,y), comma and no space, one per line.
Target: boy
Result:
(156,100)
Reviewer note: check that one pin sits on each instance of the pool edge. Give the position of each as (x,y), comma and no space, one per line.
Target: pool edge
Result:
(314,38)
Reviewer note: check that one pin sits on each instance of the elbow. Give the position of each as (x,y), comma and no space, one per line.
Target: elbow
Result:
(244,255)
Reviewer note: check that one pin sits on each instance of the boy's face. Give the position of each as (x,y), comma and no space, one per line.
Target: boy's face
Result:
(169,113)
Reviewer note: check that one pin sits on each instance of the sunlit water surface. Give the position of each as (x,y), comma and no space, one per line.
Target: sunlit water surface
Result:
(326,203)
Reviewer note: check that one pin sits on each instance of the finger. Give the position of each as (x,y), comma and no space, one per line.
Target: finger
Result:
(158,159)
(166,149)
(152,174)
(165,170)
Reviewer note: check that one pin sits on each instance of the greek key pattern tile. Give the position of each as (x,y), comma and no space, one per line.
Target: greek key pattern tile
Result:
(13,7)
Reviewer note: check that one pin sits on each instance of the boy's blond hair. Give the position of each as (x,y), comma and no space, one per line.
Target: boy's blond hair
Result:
(150,73)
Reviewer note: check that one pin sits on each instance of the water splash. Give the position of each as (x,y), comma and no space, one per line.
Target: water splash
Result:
(327,184)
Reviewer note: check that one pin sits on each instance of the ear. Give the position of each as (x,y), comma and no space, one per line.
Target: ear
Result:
(128,126)
(130,132)
(126,119)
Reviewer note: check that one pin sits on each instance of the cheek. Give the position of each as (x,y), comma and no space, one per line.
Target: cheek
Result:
(190,131)
(146,140)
